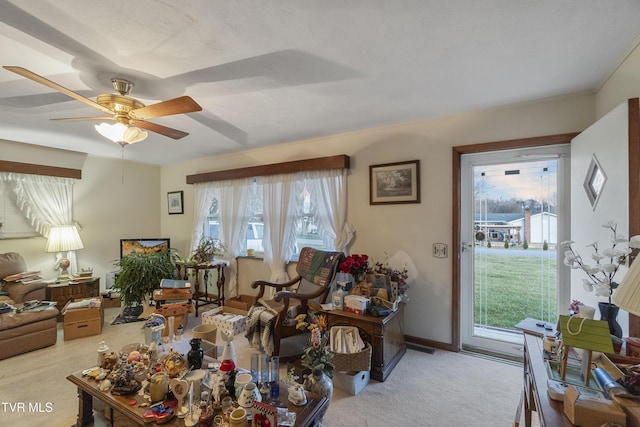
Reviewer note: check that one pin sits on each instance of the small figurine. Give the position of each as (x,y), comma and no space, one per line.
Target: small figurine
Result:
(196,354)
(230,384)
(229,352)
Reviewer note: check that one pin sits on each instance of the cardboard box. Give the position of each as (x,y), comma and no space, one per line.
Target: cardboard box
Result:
(351,382)
(82,322)
(111,301)
(356,304)
(241,302)
(226,319)
(589,408)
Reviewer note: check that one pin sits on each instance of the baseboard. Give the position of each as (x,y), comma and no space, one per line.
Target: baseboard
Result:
(421,348)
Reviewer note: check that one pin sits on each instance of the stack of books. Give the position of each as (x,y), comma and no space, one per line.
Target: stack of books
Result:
(26,277)
(81,277)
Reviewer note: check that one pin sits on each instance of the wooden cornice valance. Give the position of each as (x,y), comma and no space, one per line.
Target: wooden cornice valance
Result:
(32,169)
(321,163)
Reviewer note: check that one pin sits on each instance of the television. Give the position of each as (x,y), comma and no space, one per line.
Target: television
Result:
(143,246)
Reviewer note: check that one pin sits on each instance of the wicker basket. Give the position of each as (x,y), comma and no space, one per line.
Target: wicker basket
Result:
(353,362)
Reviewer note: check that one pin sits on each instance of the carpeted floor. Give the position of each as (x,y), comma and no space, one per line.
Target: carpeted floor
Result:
(439,389)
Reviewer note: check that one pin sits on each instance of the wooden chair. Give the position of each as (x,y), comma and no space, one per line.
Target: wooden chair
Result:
(316,271)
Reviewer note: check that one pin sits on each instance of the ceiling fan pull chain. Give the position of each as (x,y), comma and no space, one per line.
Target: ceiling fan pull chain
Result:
(122,163)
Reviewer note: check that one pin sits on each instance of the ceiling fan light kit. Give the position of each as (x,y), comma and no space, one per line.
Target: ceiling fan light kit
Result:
(129,114)
(120,133)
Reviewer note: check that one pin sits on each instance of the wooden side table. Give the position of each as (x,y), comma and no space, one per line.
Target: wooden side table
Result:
(385,334)
(63,292)
(203,297)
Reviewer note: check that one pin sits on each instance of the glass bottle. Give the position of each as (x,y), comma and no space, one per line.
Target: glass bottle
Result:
(274,377)
(337,297)
(102,350)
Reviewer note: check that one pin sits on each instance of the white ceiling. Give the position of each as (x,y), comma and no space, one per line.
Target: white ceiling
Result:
(274,71)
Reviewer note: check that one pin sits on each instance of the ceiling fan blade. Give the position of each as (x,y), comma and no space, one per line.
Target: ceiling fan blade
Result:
(181,105)
(39,79)
(162,130)
(77,119)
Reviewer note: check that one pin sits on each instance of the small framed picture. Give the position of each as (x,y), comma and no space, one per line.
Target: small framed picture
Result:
(175,202)
(393,183)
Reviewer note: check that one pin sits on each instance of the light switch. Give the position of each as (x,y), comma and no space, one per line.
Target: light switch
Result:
(440,250)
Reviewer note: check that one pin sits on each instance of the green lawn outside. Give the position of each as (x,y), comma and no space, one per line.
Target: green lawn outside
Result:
(510,288)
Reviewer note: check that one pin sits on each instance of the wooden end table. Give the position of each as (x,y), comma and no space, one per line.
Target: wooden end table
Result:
(385,334)
(200,297)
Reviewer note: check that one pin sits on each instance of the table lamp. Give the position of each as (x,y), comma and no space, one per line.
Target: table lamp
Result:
(63,238)
(627,294)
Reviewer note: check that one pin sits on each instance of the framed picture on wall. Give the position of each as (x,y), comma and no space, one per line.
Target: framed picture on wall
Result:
(393,183)
(174,202)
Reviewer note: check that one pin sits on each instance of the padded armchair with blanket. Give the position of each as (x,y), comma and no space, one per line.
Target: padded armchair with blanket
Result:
(270,320)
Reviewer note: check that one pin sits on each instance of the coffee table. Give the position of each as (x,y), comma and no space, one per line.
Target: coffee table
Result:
(125,410)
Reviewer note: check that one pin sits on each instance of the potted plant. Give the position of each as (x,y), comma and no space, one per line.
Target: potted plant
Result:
(207,249)
(140,274)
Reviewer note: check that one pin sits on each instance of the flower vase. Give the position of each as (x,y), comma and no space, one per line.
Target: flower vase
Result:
(609,312)
(318,382)
(196,354)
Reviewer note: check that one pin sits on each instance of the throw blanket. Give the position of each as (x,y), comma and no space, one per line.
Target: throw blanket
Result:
(260,321)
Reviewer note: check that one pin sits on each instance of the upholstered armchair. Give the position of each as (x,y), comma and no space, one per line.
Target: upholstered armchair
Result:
(12,263)
(270,320)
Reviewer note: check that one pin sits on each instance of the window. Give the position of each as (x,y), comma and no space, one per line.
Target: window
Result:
(307,228)
(307,225)
(13,223)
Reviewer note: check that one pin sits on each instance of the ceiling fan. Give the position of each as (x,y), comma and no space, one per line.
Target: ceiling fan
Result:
(126,111)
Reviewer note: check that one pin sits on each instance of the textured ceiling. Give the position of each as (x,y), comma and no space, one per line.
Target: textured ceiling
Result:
(271,72)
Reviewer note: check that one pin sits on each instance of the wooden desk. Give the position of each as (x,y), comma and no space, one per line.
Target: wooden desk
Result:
(119,412)
(200,297)
(536,396)
(63,292)
(385,334)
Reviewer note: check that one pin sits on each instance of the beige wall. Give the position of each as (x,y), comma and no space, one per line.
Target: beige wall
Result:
(624,83)
(412,228)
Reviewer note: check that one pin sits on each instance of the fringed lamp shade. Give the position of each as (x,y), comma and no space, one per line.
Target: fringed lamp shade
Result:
(627,295)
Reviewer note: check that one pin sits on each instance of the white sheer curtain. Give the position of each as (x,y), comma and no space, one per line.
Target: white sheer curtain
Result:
(46,201)
(234,196)
(279,208)
(330,198)
(204,194)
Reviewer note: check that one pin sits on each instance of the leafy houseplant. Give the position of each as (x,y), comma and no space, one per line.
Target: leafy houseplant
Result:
(140,274)
(207,248)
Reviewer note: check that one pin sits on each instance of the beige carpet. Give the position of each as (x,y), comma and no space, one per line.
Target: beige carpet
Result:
(440,389)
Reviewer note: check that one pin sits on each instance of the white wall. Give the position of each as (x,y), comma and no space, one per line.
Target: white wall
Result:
(608,139)
(412,228)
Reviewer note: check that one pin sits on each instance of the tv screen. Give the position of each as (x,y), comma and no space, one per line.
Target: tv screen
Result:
(143,246)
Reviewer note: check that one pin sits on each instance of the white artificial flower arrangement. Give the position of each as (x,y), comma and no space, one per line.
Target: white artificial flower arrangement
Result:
(600,276)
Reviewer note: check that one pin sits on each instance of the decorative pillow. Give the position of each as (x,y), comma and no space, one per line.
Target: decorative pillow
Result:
(11,263)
